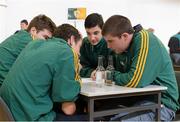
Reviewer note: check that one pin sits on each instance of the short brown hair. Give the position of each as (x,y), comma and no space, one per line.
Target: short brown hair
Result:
(41,22)
(117,25)
(65,31)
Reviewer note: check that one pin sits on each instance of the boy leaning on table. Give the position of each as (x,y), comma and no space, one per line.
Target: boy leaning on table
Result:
(147,63)
(46,72)
(40,27)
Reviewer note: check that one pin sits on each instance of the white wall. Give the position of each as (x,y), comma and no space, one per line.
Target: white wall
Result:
(162,15)
(3,8)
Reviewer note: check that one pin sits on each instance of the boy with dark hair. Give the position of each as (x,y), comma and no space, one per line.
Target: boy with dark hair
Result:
(93,20)
(41,27)
(24,24)
(147,63)
(174,48)
(93,45)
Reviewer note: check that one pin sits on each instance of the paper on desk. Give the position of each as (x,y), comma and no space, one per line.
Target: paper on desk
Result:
(87,80)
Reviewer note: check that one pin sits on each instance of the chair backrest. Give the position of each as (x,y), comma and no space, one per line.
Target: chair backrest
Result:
(5,113)
(176,68)
(177,74)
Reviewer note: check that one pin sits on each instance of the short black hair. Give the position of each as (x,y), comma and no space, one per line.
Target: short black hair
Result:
(24,21)
(93,20)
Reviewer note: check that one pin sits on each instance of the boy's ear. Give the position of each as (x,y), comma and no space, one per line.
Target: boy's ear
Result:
(33,30)
(125,35)
(71,40)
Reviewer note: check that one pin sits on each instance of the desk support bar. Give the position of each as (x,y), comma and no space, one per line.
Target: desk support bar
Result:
(91,109)
(129,109)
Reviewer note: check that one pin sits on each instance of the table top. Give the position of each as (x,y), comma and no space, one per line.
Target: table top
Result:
(90,89)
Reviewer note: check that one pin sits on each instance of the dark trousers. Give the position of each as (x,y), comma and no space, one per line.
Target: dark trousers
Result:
(76,117)
(79,115)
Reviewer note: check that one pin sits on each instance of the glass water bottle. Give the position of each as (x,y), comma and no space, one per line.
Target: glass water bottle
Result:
(109,71)
(100,72)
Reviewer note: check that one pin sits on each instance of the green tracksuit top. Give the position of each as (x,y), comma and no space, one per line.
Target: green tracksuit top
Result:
(89,56)
(147,62)
(45,72)
(9,51)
